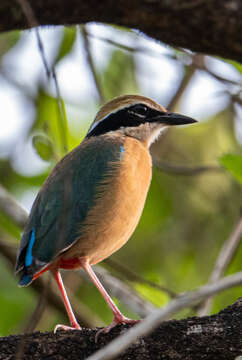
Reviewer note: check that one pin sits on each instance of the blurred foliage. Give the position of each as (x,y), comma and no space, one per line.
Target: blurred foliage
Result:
(119,75)
(8,41)
(236,65)
(233,163)
(44,147)
(48,120)
(67,42)
(186,219)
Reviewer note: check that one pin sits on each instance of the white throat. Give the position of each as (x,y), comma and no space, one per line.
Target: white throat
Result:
(155,134)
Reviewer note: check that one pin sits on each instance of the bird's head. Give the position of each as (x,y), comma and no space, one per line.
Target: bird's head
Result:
(135,116)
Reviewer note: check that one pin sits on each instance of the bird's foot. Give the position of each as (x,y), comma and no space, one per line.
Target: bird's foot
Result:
(117,320)
(74,326)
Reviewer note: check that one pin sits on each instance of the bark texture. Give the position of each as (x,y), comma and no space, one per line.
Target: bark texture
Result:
(206,26)
(216,337)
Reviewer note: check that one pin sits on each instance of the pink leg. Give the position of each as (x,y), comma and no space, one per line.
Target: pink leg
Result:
(73,322)
(119,318)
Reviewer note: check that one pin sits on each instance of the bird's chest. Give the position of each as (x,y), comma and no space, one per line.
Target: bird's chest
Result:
(119,204)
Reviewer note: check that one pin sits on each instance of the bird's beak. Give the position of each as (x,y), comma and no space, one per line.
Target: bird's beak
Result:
(170,118)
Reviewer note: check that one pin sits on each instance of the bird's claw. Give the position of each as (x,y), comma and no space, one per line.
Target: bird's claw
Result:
(116,321)
(66,328)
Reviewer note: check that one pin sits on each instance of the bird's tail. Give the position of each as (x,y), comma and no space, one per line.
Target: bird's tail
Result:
(26,278)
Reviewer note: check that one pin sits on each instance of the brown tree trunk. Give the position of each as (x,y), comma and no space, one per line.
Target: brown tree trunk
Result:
(217,337)
(207,26)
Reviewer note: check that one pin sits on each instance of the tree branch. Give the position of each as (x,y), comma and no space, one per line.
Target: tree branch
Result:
(153,320)
(206,26)
(205,338)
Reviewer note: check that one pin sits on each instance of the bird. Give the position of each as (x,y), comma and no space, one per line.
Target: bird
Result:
(91,203)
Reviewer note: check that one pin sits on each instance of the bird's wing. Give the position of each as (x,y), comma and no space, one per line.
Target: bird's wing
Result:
(64,201)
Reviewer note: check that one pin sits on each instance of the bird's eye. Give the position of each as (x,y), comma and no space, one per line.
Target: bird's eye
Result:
(140,109)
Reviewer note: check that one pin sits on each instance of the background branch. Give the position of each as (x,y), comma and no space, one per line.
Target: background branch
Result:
(133,276)
(186,170)
(32,21)
(190,72)
(91,64)
(174,22)
(10,207)
(223,260)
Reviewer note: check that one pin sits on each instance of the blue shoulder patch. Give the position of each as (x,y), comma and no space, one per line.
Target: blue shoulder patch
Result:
(122,150)
(29,257)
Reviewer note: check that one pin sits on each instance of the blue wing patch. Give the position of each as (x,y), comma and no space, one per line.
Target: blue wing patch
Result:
(29,256)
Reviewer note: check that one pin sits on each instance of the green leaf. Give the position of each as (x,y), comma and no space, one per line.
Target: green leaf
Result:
(43,146)
(233,163)
(49,120)
(155,296)
(68,40)
(120,70)
(235,64)
(8,40)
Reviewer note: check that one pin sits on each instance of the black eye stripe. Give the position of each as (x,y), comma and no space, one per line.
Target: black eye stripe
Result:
(127,117)
(114,122)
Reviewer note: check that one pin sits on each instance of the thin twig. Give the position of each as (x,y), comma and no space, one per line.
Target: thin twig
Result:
(237,98)
(39,309)
(50,72)
(42,52)
(223,260)
(10,207)
(91,64)
(31,18)
(153,320)
(186,170)
(134,49)
(28,12)
(190,72)
(133,276)
(200,63)
(33,321)
(219,77)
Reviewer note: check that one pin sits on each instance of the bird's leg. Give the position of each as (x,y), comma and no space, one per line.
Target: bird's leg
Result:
(119,318)
(73,321)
